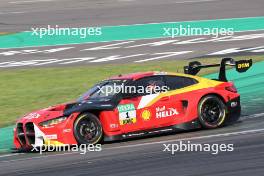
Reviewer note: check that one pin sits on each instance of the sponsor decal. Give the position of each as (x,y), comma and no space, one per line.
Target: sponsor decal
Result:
(233,104)
(162,112)
(52,136)
(243,65)
(146,115)
(32,116)
(127,114)
(133,134)
(113,125)
(67,130)
(161,73)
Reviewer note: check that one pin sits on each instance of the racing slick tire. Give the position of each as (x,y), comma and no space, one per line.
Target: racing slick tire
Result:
(212,112)
(88,129)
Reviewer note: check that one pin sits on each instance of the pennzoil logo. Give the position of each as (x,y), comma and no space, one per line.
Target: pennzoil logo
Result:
(146,115)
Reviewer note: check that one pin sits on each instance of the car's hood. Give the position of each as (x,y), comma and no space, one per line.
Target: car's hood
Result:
(45,114)
(67,109)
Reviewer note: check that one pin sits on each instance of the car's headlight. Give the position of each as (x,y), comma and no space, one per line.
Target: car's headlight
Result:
(53,121)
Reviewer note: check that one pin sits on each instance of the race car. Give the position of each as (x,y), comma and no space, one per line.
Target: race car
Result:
(167,102)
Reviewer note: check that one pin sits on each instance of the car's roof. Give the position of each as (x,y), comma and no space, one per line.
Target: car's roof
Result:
(138,75)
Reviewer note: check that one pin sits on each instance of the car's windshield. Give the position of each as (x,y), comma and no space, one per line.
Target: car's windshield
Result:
(106,88)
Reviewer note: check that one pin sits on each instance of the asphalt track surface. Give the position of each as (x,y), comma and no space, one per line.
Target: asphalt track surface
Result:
(133,51)
(142,156)
(22,15)
(146,156)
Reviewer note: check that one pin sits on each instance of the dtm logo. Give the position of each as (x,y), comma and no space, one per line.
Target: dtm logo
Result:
(244,65)
(162,112)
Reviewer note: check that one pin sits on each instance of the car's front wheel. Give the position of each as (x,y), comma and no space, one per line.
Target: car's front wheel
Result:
(88,129)
(212,111)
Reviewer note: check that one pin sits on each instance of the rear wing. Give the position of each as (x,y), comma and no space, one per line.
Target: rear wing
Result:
(241,66)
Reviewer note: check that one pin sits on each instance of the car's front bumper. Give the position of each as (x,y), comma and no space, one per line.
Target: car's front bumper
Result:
(27,135)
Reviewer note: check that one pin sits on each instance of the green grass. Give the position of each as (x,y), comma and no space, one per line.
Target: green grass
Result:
(24,90)
(5,33)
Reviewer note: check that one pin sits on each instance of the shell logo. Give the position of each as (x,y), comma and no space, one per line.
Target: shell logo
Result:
(146,114)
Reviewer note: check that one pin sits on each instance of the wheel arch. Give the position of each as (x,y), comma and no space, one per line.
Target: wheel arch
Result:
(94,112)
(214,94)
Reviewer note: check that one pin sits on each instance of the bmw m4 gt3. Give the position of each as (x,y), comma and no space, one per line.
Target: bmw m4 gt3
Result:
(189,102)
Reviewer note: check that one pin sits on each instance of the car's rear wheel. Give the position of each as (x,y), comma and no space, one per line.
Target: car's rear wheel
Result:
(212,111)
(88,129)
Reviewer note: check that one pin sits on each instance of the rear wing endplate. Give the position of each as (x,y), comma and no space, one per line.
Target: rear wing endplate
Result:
(241,66)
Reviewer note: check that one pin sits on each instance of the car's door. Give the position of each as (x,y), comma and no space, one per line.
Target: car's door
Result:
(176,102)
(136,111)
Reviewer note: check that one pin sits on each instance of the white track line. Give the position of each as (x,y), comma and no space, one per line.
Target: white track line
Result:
(8,155)
(7,13)
(145,144)
(185,2)
(38,157)
(252,116)
(107,41)
(192,138)
(168,54)
(29,1)
(159,142)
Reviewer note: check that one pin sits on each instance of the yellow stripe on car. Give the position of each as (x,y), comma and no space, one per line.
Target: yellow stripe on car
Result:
(202,84)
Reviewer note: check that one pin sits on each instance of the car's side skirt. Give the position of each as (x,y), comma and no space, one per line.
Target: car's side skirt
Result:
(157,131)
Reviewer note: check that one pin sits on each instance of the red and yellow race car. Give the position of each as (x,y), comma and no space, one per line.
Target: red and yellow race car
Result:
(134,105)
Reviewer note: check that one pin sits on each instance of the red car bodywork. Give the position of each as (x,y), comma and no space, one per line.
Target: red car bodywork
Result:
(176,108)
